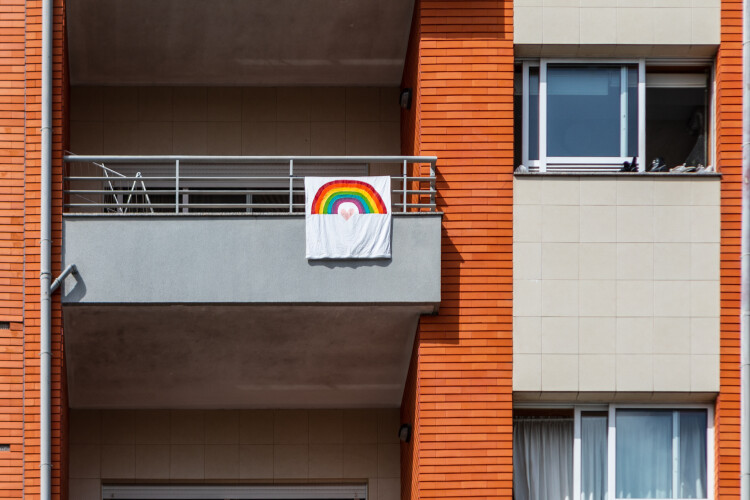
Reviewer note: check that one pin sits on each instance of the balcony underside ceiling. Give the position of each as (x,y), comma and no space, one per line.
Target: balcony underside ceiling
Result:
(238,356)
(231,42)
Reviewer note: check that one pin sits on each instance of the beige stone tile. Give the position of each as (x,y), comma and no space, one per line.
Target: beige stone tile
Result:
(596,372)
(389,139)
(527,223)
(291,427)
(224,104)
(186,461)
(328,104)
(635,372)
(390,109)
(704,335)
(86,137)
(635,336)
(259,138)
(705,261)
(120,104)
(362,104)
(222,427)
(86,103)
(256,426)
(671,372)
(362,138)
(225,138)
(84,461)
(672,261)
(155,104)
(527,372)
(222,461)
(327,138)
(672,224)
(635,261)
(389,460)
(187,427)
(560,298)
(704,299)
(152,427)
(561,25)
(326,426)
(152,461)
(597,261)
(389,489)
(360,461)
(259,104)
(598,192)
(293,138)
(527,260)
(705,224)
(118,427)
(672,192)
(635,192)
(598,25)
(560,223)
(293,104)
(597,298)
(635,298)
(671,335)
(527,191)
(84,427)
(561,191)
(189,104)
(671,298)
(190,138)
(597,335)
(559,335)
(527,24)
(705,192)
(675,26)
(389,422)
(326,461)
(704,373)
(155,138)
(360,426)
(527,335)
(120,138)
(559,260)
(256,461)
(85,489)
(634,26)
(635,224)
(118,461)
(527,297)
(290,461)
(559,372)
(598,224)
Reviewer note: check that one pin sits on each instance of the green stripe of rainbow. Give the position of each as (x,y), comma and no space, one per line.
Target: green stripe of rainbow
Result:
(334,193)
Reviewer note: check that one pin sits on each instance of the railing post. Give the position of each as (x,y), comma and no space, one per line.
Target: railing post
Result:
(403,188)
(291,185)
(433,187)
(177,186)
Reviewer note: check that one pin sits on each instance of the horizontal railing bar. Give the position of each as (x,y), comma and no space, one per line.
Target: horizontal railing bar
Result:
(184,191)
(247,159)
(217,178)
(126,206)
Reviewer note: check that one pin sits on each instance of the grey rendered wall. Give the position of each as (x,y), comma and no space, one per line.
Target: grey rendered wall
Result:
(616,284)
(246,259)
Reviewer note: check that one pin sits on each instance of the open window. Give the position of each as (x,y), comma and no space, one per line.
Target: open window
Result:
(614,452)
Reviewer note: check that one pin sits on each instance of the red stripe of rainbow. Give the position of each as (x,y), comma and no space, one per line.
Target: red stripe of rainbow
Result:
(334,193)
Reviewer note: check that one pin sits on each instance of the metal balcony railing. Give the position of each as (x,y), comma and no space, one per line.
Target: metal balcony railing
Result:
(231,184)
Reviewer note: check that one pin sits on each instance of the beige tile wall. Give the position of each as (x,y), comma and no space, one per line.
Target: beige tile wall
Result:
(234,446)
(624,22)
(616,284)
(235,121)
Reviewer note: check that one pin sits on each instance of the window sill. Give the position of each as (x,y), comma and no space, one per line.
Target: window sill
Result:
(708,175)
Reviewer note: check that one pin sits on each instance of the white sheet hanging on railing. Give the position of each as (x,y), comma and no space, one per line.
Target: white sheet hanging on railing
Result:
(348,218)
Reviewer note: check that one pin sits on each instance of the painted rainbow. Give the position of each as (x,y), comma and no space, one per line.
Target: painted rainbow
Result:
(361,194)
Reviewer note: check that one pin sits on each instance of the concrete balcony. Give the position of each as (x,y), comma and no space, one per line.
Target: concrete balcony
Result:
(210,302)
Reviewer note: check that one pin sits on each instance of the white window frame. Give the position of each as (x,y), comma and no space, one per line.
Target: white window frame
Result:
(565,163)
(611,410)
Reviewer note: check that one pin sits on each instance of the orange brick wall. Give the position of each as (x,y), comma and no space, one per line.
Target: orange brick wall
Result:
(729,160)
(462,67)
(20,84)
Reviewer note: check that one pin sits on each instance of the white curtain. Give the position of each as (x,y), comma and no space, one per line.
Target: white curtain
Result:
(543,459)
(593,457)
(692,454)
(644,454)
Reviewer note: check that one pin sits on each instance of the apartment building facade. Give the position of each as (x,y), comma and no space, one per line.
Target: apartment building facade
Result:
(559,330)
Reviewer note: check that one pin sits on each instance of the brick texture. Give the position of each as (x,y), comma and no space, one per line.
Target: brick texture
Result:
(460,65)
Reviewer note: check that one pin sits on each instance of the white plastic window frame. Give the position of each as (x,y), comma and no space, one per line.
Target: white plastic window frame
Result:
(583,161)
(611,410)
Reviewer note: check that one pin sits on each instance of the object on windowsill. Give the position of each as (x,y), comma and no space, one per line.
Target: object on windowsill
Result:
(630,166)
(522,169)
(679,169)
(658,165)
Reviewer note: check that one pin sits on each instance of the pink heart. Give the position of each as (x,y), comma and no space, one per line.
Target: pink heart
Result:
(347,212)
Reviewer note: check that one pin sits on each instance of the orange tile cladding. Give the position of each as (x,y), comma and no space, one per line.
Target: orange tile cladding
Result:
(20,86)
(729,161)
(460,65)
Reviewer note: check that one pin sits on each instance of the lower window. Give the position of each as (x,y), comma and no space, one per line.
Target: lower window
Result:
(589,453)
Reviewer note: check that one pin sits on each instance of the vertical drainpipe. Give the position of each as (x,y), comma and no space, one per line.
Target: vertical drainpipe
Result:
(745,263)
(45,243)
